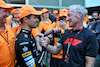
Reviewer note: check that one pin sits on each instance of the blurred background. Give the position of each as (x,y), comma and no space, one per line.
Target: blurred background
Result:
(91,5)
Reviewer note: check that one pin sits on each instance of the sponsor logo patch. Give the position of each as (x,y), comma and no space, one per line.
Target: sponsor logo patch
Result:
(25,35)
(28,58)
(26,54)
(30,62)
(25,49)
(24,43)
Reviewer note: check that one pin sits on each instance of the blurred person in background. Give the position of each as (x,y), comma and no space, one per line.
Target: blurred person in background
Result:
(55,16)
(15,19)
(45,22)
(95,16)
(60,26)
(95,28)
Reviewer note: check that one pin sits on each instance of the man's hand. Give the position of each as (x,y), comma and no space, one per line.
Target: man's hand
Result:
(40,34)
(63,24)
(44,41)
(39,48)
(93,31)
(57,29)
(50,36)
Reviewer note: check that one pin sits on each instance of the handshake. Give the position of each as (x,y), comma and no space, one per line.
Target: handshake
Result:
(45,41)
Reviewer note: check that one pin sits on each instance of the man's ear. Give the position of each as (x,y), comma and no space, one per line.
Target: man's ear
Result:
(25,19)
(79,15)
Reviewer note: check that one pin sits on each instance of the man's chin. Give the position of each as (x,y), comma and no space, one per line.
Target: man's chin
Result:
(34,27)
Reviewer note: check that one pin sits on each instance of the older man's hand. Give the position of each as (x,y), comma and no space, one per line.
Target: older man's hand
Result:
(57,29)
(63,24)
(44,41)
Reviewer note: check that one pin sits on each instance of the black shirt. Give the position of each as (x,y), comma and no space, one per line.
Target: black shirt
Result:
(96,26)
(25,49)
(85,44)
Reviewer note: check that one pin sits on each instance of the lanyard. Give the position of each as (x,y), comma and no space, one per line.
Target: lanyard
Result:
(69,44)
(75,35)
(6,41)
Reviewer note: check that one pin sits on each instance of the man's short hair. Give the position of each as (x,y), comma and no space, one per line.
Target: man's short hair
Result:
(29,17)
(79,8)
(96,12)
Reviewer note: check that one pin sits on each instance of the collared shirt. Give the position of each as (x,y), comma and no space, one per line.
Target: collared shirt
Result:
(35,32)
(16,30)
(44,26)
(6,58)
(14,24)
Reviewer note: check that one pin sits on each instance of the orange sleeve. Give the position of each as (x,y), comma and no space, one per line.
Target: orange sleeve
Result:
(52,26)
(40,26)
(8,26)
(46,26)
(35,32)
(62,30)
(86,19)
(18,30)
(14,29)
(59,55)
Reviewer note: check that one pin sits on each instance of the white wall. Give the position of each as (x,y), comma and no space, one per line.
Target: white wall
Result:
(92,3)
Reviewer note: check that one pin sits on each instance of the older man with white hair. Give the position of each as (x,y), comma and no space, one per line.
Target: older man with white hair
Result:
(80,46)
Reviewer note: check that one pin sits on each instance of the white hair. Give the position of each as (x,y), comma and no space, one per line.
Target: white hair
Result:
(79,8)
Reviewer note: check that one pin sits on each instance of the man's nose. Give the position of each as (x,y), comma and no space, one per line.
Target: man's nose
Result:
(37,19)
